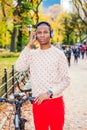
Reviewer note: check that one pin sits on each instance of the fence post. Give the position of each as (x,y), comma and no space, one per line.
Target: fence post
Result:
(5,76)
(13,78)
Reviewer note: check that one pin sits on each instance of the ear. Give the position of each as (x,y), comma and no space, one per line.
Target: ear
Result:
(51,33)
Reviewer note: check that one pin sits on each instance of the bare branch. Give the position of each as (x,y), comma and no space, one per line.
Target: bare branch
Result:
(79,5)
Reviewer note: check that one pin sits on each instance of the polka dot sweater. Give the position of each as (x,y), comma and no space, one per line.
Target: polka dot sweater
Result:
(48,69)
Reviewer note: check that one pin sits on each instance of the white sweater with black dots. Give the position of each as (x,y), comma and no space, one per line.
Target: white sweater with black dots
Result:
(48,70)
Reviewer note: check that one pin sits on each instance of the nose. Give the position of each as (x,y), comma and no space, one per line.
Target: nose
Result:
(42,34)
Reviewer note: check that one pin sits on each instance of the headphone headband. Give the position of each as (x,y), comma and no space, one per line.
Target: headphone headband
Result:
(43,22)
(46,23)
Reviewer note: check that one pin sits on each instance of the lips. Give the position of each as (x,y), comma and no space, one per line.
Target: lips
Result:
(42,40)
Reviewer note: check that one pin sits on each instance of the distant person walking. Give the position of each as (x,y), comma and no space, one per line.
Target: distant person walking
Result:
(83,48)
(68,55)
(76,54)
(79,51)
(86,50)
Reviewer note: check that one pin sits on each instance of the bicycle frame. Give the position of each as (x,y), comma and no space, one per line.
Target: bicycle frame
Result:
(19,122)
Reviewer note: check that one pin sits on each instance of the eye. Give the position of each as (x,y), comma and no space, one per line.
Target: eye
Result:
(46,32)
(38,32)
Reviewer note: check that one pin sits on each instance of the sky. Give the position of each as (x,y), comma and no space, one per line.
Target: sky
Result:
(47,3)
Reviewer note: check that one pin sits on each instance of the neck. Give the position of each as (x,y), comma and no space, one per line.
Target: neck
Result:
(46,46)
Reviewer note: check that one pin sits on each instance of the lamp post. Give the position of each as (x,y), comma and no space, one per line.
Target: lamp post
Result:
(29,29)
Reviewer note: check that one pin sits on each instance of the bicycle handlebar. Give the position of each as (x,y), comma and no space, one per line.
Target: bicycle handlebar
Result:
(31,99)
(6,100)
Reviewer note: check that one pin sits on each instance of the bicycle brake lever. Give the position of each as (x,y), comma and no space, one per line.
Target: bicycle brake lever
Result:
(17,95)
(2,99)
(31,99)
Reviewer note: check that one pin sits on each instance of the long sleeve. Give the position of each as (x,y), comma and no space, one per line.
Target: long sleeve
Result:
(24,60)
(48,70)
(64,75)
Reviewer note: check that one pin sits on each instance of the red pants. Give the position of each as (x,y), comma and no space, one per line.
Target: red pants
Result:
(50,113)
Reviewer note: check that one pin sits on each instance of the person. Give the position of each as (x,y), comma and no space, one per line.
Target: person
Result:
(86,50)
(68,54)
(83,51)
(79,51)
(76,54)
(49,78)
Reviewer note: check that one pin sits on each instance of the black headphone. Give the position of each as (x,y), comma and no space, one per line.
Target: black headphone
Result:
(46,23)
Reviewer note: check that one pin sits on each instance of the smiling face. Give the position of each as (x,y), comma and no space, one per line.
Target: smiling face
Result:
(43,34)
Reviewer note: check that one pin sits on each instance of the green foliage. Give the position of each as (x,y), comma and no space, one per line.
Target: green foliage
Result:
(25,6)
(71,40)
(16,17)
(25,39)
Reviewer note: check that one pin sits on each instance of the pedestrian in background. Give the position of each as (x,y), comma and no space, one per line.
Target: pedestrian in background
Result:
(83,48)
(86,50)
(76,54)
(68,54)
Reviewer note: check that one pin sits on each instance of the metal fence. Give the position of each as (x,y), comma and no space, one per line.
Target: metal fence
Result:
(9,81)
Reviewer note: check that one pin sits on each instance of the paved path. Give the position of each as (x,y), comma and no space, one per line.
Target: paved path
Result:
(75,98)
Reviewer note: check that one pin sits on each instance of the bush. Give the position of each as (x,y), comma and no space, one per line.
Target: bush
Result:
(2,50)
(5,54)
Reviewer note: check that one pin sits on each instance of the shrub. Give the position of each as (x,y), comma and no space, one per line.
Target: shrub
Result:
(6,54)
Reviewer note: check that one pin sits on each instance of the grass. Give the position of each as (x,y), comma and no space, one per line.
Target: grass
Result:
(7,63)
(7,59)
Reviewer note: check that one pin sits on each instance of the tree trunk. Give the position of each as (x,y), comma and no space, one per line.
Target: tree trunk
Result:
(19,43)
(13,40)
(68,40)
(13,45)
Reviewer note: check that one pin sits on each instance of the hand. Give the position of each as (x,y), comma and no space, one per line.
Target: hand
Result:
(31,39)
(41,97)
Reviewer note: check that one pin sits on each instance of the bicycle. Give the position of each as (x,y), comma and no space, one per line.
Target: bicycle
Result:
(18,100)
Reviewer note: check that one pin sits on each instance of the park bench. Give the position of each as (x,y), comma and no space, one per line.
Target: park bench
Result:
(23,81)
(12,79)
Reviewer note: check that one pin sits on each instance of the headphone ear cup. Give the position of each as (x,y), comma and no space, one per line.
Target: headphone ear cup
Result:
(51,34)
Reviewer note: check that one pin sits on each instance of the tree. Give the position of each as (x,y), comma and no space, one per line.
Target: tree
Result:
(65,26)
(81,10)
(20,15)
(6,10)
(23,13)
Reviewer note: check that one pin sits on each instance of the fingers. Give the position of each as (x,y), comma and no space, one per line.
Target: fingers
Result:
(32,38)
(41,98)
(32,35)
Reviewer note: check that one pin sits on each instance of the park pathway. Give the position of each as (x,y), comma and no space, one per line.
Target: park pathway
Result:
(75,97)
